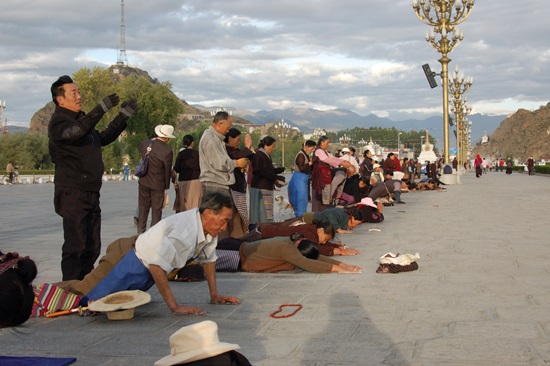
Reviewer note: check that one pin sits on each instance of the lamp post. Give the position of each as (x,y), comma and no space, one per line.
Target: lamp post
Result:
(459,85)
(398,143)
(282,130)
(443,15)
(2,107)
(467,139)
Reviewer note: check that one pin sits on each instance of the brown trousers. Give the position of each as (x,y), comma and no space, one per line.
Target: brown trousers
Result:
(115,252)
(149,200)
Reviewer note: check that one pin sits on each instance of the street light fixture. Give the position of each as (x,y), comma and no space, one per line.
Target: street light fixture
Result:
(2,107)
(282,130)
(398,144)
(443,15)
(458,86)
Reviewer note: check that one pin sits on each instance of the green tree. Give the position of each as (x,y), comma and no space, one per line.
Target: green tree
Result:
(157,105)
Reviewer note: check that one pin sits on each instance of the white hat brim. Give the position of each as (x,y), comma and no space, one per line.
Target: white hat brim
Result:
(161,134)
(104,305)
(199,354)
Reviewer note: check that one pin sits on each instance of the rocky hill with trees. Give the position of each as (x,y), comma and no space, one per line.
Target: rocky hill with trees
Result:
(523,134)
(185,120)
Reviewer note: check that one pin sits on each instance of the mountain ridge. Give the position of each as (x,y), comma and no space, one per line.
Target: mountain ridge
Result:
(341,119)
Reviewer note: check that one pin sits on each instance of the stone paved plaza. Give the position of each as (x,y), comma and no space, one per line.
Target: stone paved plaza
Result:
(480,297)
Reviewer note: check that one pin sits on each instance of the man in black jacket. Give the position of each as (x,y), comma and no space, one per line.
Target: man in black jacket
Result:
(75,148)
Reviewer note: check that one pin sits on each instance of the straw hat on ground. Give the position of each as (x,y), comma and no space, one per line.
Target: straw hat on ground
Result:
(195,342)
(120,305)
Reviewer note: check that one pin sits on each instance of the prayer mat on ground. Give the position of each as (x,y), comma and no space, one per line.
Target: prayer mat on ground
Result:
(35,361)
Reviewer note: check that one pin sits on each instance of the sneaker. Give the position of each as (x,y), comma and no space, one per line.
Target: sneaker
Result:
(402,202)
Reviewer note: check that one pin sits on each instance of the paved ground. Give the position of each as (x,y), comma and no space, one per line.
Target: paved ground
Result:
(480,297)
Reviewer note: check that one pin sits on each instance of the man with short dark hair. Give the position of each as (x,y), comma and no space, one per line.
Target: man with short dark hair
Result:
(75,148)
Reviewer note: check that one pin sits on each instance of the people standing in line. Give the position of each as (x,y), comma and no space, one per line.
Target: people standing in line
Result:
(216,166)
(366,167)
(477,165)
(509,166)
(485,165)
(397,163)
(354,155)
(126,171)
(501,164)
(455,164)
(187,166)
(298,186)
(75,148)
(404,166)
(389,165)
(10,170)
(531,165)
(264,178)
(412,171)
(419,167)
(239,222)
(322,182)
(154,185)
(378,171)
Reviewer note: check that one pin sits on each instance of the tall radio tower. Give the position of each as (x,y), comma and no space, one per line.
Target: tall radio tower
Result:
(122,59)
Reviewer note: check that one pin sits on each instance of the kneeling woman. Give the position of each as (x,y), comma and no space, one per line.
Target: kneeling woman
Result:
(281,254)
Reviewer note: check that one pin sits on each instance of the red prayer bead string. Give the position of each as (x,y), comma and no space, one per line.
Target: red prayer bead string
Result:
(273,314)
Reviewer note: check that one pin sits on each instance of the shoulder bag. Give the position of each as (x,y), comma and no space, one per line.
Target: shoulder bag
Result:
(141,170)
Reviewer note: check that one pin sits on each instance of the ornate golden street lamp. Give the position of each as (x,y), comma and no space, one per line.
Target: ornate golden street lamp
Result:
(443,15)
(458,85)
(282,130)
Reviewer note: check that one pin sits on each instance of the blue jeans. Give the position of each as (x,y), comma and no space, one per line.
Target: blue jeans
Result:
(298,192)
(128,274)
(397,195)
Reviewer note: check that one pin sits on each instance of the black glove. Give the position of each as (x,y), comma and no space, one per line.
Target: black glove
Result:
(129,108)
(109,102)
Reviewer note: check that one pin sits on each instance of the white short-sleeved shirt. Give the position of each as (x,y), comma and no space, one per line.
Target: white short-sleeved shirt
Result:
(173,241)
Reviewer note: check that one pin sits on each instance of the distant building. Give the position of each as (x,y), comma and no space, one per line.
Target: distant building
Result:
(194,117)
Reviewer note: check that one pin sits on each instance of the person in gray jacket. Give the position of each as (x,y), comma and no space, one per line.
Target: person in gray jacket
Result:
(216,165)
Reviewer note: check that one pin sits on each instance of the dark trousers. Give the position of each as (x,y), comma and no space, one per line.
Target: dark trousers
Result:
(149,199)
(81,230)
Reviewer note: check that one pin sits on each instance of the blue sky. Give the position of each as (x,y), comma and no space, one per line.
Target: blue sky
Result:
(365,56)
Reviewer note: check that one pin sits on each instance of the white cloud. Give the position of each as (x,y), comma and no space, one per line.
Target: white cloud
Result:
(363,56)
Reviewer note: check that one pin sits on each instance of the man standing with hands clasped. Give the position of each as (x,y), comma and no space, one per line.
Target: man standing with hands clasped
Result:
(75,148)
